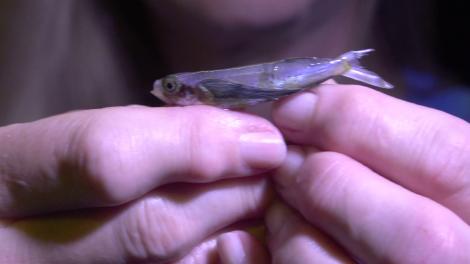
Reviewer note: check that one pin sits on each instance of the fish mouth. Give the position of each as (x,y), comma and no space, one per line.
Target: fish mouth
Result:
(157,91)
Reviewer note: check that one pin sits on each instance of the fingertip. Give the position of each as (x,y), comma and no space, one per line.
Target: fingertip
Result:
(330,81)
(239,247)
(285,174)
(305,116)
(231,249)
(214,144)
(295,112)
(261,145)
(262,150)
(294,240)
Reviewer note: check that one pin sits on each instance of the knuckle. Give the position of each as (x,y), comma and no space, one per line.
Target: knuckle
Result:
(151,231)
(101,154)
(205,156)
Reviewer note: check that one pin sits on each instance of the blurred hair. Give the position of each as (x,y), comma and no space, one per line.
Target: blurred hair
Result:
(58,55)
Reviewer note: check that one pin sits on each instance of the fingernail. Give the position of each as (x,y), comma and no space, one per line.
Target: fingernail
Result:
(296,112)
(231,249)
(262,150)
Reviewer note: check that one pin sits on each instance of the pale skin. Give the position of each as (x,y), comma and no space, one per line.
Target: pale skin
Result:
(138,183)
(365,177)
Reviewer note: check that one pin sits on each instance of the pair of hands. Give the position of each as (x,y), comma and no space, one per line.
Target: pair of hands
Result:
(368,178)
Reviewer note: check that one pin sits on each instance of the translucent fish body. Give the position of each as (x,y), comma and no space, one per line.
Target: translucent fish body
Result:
(249,85)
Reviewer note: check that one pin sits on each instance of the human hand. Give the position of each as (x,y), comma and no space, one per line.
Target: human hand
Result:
(121,184)
(375,178)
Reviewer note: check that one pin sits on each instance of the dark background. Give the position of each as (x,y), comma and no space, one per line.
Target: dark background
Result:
(427,34)
(112,54)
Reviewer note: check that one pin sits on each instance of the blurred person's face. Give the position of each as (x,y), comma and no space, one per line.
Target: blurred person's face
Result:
(204,34)
(246,12)
(208,34)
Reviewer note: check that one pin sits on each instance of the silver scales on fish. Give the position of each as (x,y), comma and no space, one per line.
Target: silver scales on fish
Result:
(249,85)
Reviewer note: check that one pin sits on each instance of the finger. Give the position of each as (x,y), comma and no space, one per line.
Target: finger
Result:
(265,110)
(238,247)
(227,248)
(110,156)
(371,217)
(293,240)
(422,149)
(164,225)
(206,252)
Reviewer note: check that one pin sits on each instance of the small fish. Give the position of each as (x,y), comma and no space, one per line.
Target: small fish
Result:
(249,85)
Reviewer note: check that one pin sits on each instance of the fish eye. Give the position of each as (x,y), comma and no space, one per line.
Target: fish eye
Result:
(171,85)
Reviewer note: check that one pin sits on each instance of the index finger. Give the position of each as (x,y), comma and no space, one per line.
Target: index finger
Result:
(110,156)
(420,148)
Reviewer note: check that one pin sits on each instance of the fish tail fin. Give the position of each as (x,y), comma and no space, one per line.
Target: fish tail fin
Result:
(355,71)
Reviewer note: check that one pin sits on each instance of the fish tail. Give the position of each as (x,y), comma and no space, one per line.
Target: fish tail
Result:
(355,71)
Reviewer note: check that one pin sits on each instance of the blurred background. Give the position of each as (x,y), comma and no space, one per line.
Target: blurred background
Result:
(427,41)
(62,55)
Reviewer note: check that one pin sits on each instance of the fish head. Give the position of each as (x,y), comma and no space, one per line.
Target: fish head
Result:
(167,89)
(172,91)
